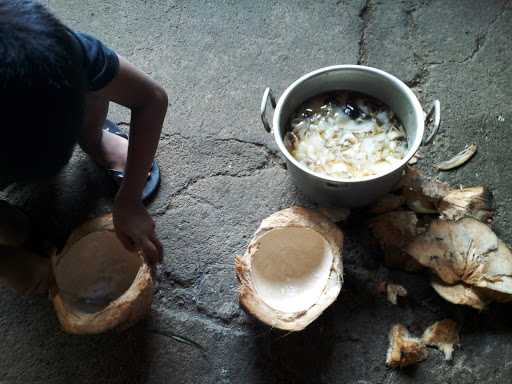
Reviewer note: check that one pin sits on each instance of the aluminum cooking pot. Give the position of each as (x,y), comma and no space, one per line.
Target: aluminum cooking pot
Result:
(371,81)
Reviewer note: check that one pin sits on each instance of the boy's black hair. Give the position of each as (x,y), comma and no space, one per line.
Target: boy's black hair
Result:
(42,91)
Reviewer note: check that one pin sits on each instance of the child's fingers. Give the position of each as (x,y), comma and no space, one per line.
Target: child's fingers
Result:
(128,243)
(149,250)
(158,245)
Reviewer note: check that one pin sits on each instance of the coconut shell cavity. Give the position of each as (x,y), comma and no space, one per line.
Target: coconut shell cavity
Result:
(99,285)
(292,269)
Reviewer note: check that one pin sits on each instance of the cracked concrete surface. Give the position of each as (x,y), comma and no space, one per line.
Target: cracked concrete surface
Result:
(222,174)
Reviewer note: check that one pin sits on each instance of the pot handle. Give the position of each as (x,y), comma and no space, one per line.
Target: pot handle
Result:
(434,118)
(263,109)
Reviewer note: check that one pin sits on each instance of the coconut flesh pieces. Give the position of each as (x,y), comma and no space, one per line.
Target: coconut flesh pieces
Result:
(95,271)
(290,268)
(346,135)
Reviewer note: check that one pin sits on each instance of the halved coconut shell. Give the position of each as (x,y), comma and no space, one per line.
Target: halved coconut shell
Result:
(99,285)
(292,269)
(14,225)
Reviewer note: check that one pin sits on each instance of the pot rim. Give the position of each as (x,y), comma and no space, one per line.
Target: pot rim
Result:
(418,110)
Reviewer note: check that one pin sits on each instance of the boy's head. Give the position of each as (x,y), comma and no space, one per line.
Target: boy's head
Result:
(42,89)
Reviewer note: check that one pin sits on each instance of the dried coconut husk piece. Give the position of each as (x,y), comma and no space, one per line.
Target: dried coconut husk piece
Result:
(466,251)
(394,292)
(292,269)
(461,294)
(387,203)
(459,159)
(426,196)
(404,349)
(444,335)
(394,231)
(15,225)
(472,202)
(421,193)
(335,214)
(99,285)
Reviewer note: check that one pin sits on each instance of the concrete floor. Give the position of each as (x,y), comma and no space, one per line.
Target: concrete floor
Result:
(221,176)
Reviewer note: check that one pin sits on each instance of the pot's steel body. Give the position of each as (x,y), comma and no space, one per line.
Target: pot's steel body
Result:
(371,81)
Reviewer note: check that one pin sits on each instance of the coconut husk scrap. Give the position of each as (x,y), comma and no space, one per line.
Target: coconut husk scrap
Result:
(277,228)
(426,196)
(422,194)
(467,202)
(335,214)
(394,292)
(465,251)
(474,267)
(444,335)
(404,349)
(387,203)
(394,231)
(461,294)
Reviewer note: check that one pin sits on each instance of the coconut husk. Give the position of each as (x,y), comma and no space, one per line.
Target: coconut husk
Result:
(387,203)
(404,349)
(335,214)
(467,202)
(426,196)
(465,251)
(279,238)
(394,231)
(444,335)
(394,292)
(473,266)
(99,285)
(461,294)
(422,194)
(15,226)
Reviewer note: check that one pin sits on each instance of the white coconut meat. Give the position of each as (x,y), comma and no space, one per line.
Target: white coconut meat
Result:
(99,285)
(344,138)
(292,268)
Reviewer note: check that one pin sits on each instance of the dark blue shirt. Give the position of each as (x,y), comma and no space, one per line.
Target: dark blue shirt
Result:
(101,63)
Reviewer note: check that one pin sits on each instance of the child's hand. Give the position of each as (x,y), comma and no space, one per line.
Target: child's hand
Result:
(136,229)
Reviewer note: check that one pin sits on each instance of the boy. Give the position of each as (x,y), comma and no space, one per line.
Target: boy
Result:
(55,88)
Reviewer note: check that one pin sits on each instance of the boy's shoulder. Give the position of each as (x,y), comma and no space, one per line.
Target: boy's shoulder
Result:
(101,63)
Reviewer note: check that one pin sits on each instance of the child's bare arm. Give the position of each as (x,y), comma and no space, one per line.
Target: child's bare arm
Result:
(148,103)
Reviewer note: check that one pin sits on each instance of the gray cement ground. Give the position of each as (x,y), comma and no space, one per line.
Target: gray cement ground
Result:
(221,176)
